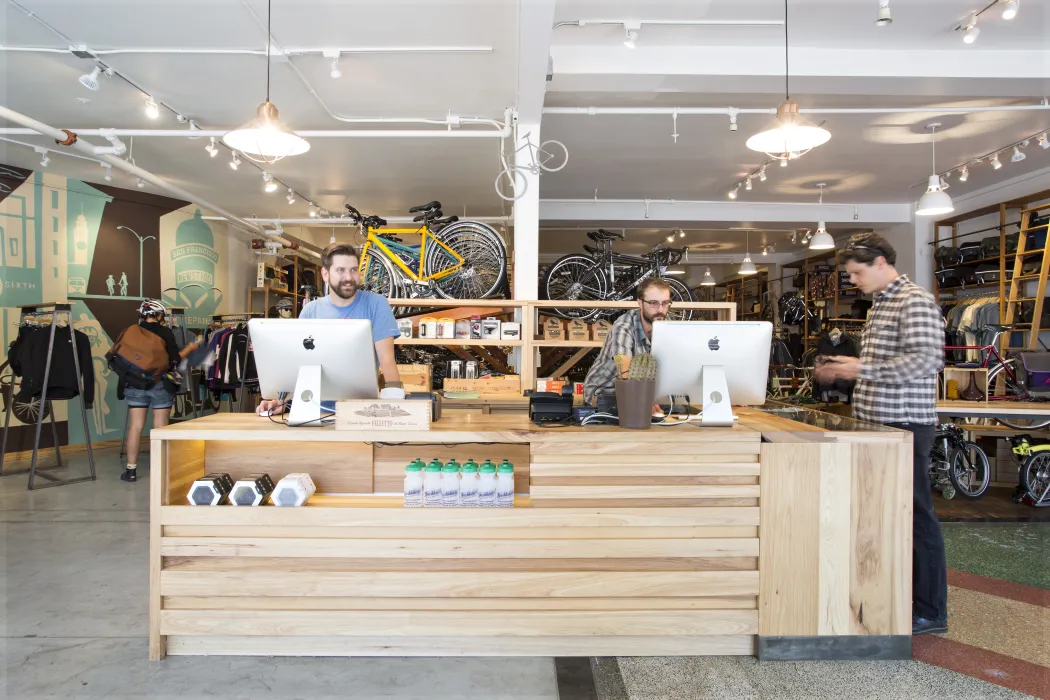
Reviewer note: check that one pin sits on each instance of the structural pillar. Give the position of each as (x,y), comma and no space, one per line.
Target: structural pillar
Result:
(527,220)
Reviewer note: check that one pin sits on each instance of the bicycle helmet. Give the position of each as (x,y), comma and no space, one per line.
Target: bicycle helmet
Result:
(152,307)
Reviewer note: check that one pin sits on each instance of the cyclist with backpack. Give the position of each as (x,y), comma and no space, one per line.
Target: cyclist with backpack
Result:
(143,357)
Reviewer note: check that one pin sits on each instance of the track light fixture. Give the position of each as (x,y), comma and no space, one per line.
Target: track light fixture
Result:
(336,73)
(747,183)
(783,163)
(732,192)
(995,162)
(269,186)
(152,109)
(140,183)
(681,233)
(108,176)
(44,160)
(313,211)
(964,174)
(884,18)
(670,239)
(211,148)
(235,161)
(90,80)
(1044,142)
(762,174)
(971,31)
(1010,8)
(631,30)
(291,196)
(936,200)
(1018,155)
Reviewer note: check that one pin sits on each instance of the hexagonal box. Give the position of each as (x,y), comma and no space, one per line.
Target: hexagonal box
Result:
(293,490)
(210,490)
(252,490)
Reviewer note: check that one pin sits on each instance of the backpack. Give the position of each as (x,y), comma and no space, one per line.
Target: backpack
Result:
(990,247)
(947,257)
(139,357)
(968,252)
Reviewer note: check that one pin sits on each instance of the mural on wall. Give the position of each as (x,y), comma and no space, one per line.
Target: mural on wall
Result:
(51,228)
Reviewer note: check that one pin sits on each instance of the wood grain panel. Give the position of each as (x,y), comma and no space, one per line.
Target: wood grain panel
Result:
(635,492)
(644,480)
(480,518)
(721,645)
(184,463)
(881,539)
(671,623)
(644,564)
(503,533)
(668,447)
(696,503)
(334,467)
(481,584)
(639,468)
(344,603)
(295,548)
(833,572)
(390,461)
(712,460)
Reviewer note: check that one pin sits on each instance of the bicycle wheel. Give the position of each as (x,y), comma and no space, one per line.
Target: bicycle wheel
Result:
(511,184)
(378,275)
(1037,479)
(575,278)
(1017,392)
(679,293)
(552,156)
(484,256)
(970,473)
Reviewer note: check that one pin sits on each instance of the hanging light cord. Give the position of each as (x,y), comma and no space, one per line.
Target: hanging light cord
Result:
(269,17)
(787,64)
(933,151)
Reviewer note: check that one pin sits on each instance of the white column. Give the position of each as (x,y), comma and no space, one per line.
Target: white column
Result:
(527,222)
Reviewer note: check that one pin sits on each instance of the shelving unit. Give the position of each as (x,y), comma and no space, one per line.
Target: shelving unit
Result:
(745,292)
(831,302)
(265,293)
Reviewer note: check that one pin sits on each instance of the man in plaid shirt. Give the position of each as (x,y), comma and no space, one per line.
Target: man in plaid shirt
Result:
(901,353)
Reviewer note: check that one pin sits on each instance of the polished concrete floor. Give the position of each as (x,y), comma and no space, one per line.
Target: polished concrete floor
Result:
(73,585)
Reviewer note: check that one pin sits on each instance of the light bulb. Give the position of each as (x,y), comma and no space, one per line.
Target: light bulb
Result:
(964,174)
(235,161)
(732,193)
(995,162)
(211,148)
(152,110)
(1010,9)
(313,211)
(336,73)
(1018,155)
(972,32)
(269,186)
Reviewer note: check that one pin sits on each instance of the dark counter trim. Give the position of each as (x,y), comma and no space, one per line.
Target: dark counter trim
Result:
(840,648)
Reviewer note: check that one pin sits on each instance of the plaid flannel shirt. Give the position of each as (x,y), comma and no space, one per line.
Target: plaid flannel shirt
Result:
(626,337)
(901,353)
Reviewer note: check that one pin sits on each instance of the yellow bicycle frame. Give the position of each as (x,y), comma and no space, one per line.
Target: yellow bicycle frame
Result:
(424,233)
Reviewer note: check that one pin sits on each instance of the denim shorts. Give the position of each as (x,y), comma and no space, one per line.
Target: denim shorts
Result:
(156,397)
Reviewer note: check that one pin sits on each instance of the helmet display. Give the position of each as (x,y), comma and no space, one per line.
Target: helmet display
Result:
(152,307)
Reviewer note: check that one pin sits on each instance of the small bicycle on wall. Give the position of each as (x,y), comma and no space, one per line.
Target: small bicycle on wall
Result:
(604,275)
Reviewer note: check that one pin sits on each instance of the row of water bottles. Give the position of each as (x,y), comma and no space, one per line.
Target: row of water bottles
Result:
(451,485)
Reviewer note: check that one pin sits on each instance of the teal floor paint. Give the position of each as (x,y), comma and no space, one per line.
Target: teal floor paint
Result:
(1017,552)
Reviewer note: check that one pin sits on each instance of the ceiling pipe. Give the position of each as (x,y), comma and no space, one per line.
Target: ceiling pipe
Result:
(296,51)
(61,136)
(345,222)
(677,22)
(359,133)
(727,111)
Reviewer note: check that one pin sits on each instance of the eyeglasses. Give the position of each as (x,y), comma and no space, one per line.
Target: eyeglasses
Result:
(657,304)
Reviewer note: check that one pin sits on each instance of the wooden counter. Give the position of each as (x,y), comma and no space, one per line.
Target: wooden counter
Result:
(771,537)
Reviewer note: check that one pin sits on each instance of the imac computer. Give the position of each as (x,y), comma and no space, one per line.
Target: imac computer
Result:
(314,361)
(722,363)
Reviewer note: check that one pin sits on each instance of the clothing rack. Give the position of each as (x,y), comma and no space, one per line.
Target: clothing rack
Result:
(225,321)
(30,312)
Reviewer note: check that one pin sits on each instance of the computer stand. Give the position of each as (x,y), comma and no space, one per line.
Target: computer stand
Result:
(306,401)
(717,408)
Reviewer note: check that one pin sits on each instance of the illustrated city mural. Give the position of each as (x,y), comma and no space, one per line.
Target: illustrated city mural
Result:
(103,249)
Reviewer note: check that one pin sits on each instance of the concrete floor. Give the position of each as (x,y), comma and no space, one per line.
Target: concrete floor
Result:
(73,590)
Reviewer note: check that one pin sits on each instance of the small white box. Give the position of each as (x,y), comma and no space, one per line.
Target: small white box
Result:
(510,331)
(490,329)
(293,490)
(405,326)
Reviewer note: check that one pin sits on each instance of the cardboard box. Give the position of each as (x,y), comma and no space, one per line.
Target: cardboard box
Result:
(377,414)
(577,330)
(553,329)
(510,331)
(600,329)
(553,386)
(509,385)
(416,377)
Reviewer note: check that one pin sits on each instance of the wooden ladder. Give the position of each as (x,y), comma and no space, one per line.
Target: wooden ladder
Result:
(1018,283)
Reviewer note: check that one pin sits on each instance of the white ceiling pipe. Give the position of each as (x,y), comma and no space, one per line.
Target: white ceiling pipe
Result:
(725,111)
(297,51)
(692,202)
(677,22)
(121,164)
(343,221)
(339,133)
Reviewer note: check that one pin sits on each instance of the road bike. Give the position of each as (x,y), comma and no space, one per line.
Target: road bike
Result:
(605,275)
(550,156)
(453,259)
(1035,470)
(958,466)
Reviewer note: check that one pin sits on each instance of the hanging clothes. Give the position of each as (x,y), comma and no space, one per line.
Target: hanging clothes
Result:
(28,358)
(836,343)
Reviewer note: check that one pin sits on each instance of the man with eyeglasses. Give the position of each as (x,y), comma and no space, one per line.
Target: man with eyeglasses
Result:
(901,353)
(631,335)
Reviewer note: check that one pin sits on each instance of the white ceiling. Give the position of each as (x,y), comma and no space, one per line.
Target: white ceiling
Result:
(870,159)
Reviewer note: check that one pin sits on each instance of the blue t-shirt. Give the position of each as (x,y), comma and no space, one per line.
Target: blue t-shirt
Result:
(366,305)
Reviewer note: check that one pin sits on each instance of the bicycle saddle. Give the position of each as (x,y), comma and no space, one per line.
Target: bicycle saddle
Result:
(428,216)
(603,235)
(429,206)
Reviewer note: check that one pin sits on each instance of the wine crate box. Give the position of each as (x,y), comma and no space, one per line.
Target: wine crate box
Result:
(553,329)
(377,414)
(577,330)
(600,329)
(416,377)
(508,385)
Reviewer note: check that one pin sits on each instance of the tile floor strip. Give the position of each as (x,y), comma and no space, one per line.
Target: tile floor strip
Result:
(1017,631)
(983,665)
(998,587)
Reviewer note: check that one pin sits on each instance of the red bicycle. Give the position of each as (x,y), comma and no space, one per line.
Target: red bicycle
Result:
(1009,370)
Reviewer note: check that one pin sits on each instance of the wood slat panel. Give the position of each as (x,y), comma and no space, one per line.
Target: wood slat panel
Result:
(507,533)
(643,469)
(390,461)
(684,434)
(697,503)
(482,584)
(343,603)
(480,518)
(334,467)
(721,645)
(643,564)
(635,492)
(184,463)
(457,623)
(667,447)
(616,461)
(456,549)
(644,481)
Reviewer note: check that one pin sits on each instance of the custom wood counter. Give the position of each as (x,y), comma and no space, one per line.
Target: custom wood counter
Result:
(786,538)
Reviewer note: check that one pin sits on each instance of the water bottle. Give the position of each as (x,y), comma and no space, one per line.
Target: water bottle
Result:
(505,485)
(468,484)
(414,484)
(487,485)
(432,485)
(450,484)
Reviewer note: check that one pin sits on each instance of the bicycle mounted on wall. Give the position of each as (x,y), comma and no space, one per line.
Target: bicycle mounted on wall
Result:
(605,275)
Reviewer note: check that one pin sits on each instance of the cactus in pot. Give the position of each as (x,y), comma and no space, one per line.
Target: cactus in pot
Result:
(643,366)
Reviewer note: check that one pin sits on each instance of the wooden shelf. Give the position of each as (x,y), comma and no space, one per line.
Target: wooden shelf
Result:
(452,303)
(568,343)
(463,342)
(275,290)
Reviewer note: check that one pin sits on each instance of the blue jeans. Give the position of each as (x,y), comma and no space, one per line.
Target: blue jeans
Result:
(156,397)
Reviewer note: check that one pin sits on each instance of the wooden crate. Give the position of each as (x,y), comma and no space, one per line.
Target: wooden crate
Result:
(416,377)
(509,385)
(962,376)
(382,415)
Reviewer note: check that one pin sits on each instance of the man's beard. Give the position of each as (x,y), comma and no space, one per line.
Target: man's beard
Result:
(345,290)
(649,318)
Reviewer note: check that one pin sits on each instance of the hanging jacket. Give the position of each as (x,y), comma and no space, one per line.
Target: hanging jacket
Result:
(30,350)
(847,346)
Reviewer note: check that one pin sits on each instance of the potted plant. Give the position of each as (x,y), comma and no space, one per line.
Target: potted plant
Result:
(636,390)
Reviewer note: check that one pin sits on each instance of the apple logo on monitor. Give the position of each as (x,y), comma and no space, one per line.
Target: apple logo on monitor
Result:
(713,343)
(308,342)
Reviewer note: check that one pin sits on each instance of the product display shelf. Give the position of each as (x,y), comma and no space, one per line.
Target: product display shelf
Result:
(464,342)
(834,302)
(770,537)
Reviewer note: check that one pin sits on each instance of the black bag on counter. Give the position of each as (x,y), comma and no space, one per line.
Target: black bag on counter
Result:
(968,252)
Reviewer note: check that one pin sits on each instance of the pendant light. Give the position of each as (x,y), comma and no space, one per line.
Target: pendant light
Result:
(936,200)
(747,267)
(708,280)
(265,139)
(790,135)
(821,240)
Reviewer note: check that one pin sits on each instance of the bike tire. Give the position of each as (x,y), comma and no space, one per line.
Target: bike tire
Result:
(679,293)
(511,180)
(378,275)
(1014,390)
(484,271)
(1036,473)
(970,459)
(551,146)
(562,282)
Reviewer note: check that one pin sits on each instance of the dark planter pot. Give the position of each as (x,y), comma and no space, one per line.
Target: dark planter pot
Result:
(634,402)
